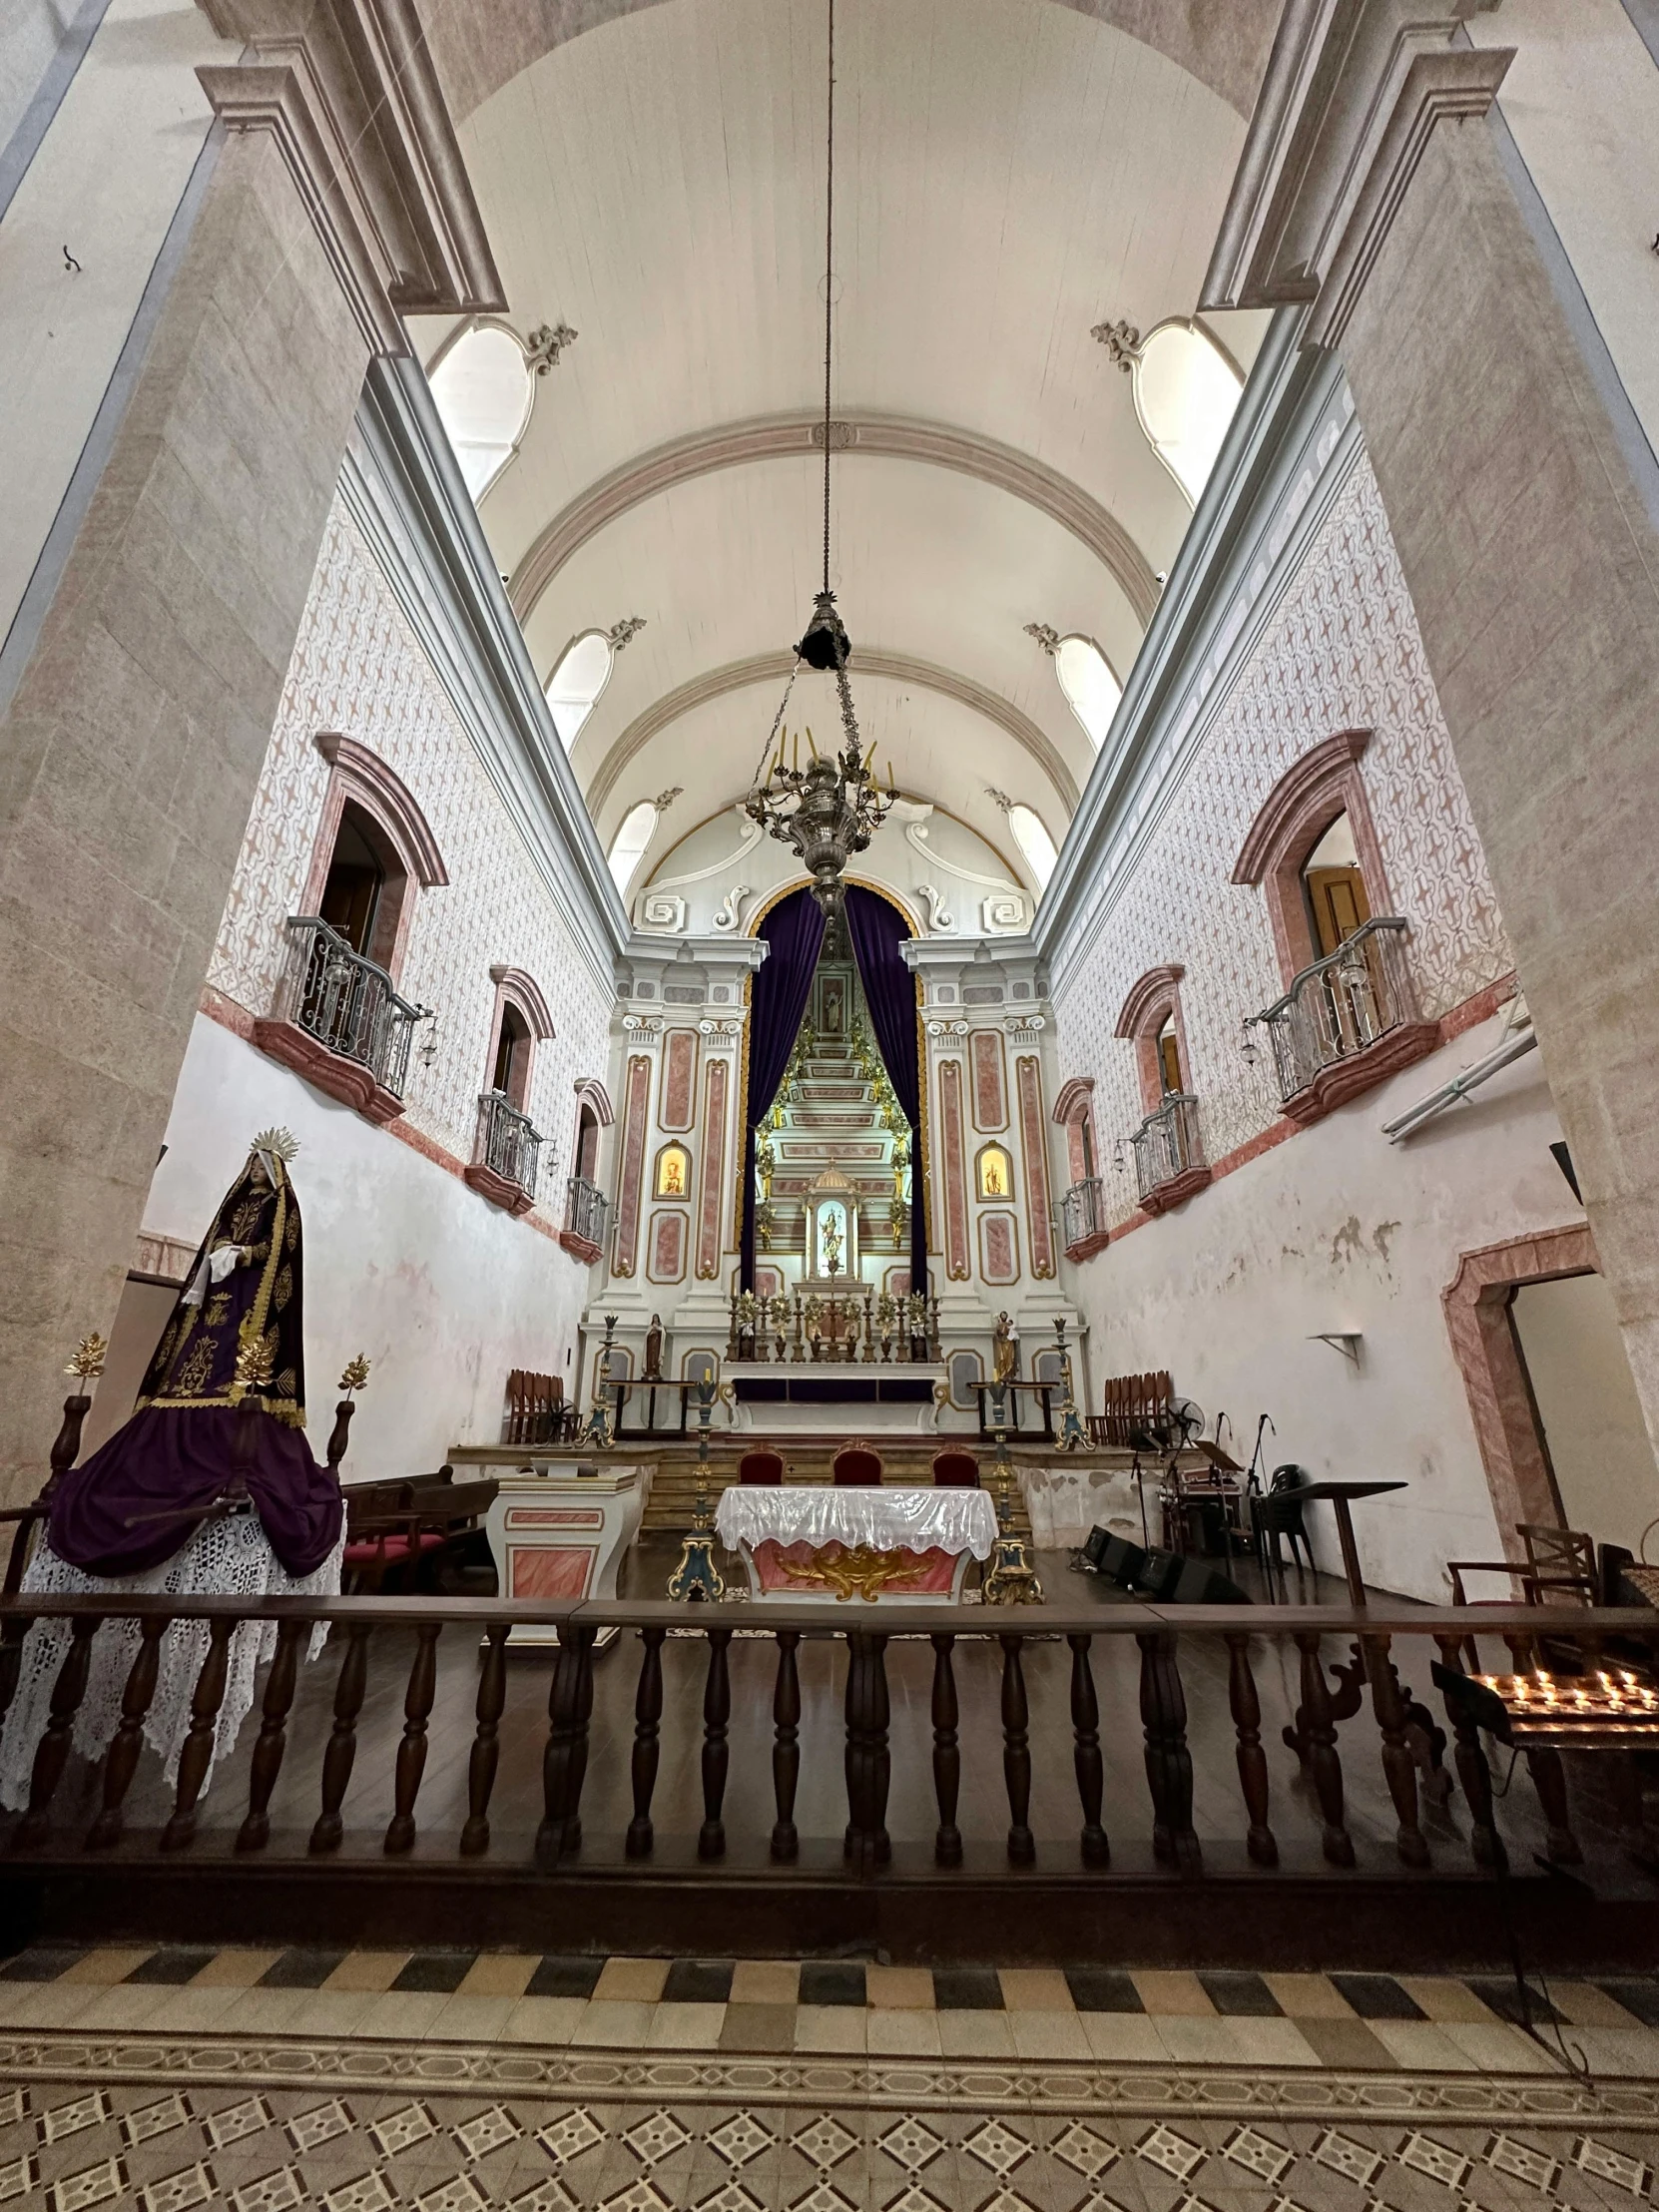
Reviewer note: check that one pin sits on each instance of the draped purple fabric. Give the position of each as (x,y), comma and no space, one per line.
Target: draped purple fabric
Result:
(877,930)
(795,931)
(141,1498)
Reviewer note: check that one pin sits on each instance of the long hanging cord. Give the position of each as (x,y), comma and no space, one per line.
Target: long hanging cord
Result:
(828,279)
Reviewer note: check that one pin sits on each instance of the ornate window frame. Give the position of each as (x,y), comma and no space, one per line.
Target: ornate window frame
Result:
(1325,782)
(359,774)
(1153,998)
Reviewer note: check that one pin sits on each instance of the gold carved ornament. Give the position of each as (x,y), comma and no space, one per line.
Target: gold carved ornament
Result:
(862,1573)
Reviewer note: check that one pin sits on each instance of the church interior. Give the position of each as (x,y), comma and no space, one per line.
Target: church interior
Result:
(829,1198)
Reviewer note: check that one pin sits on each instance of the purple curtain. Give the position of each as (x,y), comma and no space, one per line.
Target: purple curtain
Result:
(877,930)
(795,931)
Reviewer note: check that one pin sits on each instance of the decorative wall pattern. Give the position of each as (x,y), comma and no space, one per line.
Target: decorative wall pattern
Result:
(359,669)
(1342,652)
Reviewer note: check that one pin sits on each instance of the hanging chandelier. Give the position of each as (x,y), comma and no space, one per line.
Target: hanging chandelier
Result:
(831,808)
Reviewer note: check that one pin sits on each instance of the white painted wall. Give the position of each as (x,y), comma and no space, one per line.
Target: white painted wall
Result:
(1587,1407)
(443,1292)
(104,183)
(1337,1230)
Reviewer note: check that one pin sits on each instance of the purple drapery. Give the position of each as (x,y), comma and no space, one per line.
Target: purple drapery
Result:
(795,931)
(877,930)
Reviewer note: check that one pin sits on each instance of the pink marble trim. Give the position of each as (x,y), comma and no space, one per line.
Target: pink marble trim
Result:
(951,1167)
(990,1109)
(635,1101)
(679,1078)
(1028,1077)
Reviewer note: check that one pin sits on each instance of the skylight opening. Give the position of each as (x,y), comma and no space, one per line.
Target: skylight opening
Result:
(573,690)
(628,845)
(1035,844)
(1185,392)
(484,391)
(1092,691)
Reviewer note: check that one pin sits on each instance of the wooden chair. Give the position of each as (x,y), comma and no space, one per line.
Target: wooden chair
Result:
(535,1408)
(762,1467)
(956,1469)
(1559,1569)
(857,1467)
(1136,1409)
(398,1533)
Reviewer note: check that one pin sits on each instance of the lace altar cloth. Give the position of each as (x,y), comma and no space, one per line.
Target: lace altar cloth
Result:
(230,1557)
(886,1520)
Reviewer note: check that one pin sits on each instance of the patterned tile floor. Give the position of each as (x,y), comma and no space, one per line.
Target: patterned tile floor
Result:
(366,2081)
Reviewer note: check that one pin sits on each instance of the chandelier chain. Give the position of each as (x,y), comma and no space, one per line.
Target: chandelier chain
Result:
(828,278)
(777,724)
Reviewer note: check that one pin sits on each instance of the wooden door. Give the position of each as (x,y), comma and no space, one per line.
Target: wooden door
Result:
(1336,898)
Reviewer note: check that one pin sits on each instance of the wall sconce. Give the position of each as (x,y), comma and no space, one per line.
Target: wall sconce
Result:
(429,1044)
(1118,1161)
(1248,1050)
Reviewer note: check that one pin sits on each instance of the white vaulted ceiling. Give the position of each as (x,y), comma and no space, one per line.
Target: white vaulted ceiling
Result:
(1009,172)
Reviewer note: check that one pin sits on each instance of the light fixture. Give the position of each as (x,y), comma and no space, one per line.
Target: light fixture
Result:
(831,808)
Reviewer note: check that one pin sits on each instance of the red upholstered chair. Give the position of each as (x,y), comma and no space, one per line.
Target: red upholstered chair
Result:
(857,1467)
(955,1471)
(760,1467)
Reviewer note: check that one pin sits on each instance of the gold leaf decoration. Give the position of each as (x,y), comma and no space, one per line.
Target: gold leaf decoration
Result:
(254,1362)
(355,1375)
(89,1358)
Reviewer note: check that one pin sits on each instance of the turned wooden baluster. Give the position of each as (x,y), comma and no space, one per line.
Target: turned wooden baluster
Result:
(121,1764)
(565,1765)
(1169,1764)
(1543,1762)
(1485,1843)
(716,1756)
(411,1752)
(12,1633)
(1399,1767)
(947,1757)
(1246,1706)
(1320,1734)
(52,1751)
(65,1451)
(341,1748)
(1091,1773)
(198,1753)
(486,1741)
(648,1715)
(786,1746)
(1017,1752)
(341,1434)
(867,1760)
(267,1762)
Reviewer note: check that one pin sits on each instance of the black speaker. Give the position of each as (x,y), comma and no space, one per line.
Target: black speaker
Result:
(1160,1572)
(1202,1586)
(1094,1551)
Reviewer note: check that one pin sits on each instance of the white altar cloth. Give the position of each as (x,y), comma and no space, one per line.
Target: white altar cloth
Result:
(230,1557)
(886,1520)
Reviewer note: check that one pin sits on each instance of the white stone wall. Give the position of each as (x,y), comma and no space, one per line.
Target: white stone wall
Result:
(1341,653)
(358,669)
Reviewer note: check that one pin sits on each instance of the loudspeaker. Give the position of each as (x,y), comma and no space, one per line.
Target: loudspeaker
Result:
(1159,1576)
(1202,1586)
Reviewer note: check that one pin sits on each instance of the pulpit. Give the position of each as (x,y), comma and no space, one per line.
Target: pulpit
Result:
(802,1545)
(555,1530)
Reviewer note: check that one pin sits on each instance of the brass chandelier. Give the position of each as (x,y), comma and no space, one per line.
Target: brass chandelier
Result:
(831,808)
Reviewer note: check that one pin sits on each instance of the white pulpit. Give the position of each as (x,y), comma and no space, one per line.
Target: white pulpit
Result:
(801,1546)
(556,1535)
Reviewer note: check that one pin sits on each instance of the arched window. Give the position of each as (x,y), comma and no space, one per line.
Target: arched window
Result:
(628,845)
(484,389)
(511,1074)
(581,674)
(1313,848)
(1036,846)
(587,1144)
(1150,1019)
(1092,691)
(364,884)
(1185,392)
(1334,885)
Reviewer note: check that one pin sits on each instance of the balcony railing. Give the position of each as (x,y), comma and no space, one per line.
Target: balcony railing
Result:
(1083,1216)
(585,1209)
(1167,1147)
(1341,1004)
(508,1143)
(348,1004)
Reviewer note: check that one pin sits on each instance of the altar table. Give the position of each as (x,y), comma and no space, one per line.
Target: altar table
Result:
(801,1546)
(556,1535)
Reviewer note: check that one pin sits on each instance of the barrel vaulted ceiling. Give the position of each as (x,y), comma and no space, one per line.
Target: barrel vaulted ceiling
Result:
(1009,174)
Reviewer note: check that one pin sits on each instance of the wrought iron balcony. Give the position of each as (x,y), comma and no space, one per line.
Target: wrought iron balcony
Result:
(1169,1154)
(585,1209)
(339,1021)
(1084,1218)
(505,1154)
(1346,1021)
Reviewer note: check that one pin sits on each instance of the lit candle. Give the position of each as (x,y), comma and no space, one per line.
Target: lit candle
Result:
(811,741)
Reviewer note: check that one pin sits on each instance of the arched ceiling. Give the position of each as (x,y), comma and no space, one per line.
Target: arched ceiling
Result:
(1009,172)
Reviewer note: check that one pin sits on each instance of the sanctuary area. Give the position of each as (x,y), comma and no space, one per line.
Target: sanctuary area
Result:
(828,1277)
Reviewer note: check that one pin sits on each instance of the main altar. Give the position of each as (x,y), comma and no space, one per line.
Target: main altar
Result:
(800,1545)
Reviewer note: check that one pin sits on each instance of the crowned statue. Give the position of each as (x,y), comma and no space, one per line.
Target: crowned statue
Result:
(207,1490)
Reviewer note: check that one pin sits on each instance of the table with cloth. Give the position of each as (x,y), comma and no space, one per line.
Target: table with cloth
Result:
(803,1545)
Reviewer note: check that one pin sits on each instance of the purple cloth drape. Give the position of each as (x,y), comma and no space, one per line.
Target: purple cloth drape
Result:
(795,931)
(877,930)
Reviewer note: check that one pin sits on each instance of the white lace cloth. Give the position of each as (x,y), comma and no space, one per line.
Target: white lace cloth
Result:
(917,1521)
(225,1558)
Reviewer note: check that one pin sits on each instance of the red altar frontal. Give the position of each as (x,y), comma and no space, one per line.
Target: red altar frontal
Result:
(802,1545)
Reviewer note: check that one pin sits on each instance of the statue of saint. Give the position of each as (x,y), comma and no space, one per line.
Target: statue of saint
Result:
(654,1349)
(1004,1350)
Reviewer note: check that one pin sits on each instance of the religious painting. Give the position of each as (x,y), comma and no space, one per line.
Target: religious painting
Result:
(991,1105)
(667,1248)
(995,1172)
(830,1251)
(998,1248)
(673,1171)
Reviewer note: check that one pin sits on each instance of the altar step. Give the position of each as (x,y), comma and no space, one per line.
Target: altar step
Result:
(807,1460)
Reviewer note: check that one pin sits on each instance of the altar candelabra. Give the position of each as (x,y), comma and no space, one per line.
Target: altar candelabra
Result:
(695,1574)
(1010,1579)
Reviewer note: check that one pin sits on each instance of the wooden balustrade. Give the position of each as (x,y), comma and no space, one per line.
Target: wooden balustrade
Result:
(1332,1726)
